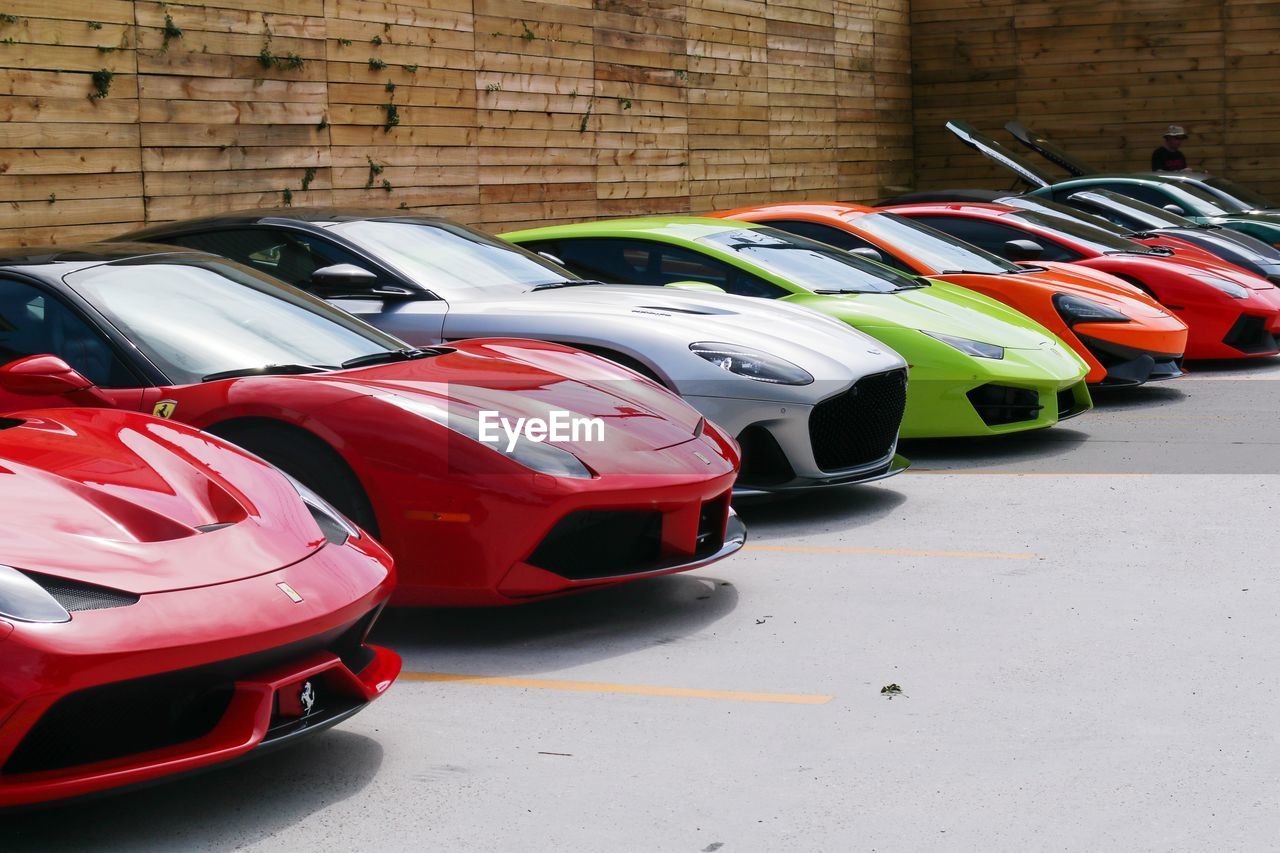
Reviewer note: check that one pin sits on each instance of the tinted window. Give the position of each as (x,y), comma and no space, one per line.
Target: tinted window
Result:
(1247,198)
(195,316)
(1098,239)
(1142,192)
(939,250)
(33,322)
(288,255)
(647,262)
(812,265)
(839,238)
(448,259)
(992,236)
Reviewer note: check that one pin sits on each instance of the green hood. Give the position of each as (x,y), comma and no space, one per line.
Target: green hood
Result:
(943,308)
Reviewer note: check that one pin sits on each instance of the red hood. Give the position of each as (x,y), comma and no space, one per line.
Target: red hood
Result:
(117,499)
(519,378)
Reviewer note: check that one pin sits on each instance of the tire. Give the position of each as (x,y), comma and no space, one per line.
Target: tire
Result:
(307,458)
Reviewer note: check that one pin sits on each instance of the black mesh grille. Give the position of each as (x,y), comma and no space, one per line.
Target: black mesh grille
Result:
(142,714)
(861,425)
(711,521)
(594,543)
(1002,404)
(1249,334)
(75,596)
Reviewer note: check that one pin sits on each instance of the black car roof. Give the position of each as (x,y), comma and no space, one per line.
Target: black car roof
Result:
(311,215)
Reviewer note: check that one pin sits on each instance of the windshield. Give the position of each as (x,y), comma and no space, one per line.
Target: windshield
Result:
(451,261)
(1194,200)
(194,316)
(1128,212)
(1100,241)
(1062,211)
(941,252)
(1248,199)
(810,264)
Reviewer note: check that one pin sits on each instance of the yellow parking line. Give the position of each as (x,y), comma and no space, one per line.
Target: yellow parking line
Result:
(893,552)
(986,472)
(604,687)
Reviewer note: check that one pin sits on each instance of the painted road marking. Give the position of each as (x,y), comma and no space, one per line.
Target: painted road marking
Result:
(604,687)
(982,472)
(893,552)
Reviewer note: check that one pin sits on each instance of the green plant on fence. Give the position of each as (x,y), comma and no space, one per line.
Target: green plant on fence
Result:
(625,103)
(375,169)
(94,25)
(52,198)
(171,31)
(324,122)
(101,84)
(376,41)
(376,64)
(307,177)
(6,18)
(493,87)
(403,206)
(412,69)
(390,87)
(386,185)
(345,42)
(393,116)
(286,196)
(527,35)
(289,62)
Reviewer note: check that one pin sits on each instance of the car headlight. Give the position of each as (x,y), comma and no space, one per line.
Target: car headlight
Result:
(1235,291)
(335,526)
(24,600)
(540,456)
(752,363)
(1077,309)
(977,349)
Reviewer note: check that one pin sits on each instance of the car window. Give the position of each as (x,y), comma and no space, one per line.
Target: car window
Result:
(34,322)
(839,238)
(654,263)
(992,236)
(1142,192)
(290,256)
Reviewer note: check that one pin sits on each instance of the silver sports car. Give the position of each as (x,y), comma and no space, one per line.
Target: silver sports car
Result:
(811,401)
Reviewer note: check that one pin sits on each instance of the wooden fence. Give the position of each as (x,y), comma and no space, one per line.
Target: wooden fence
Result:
(1105,78)
(496,112)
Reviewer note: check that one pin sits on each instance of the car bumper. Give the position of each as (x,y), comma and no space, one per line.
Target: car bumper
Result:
(188,680)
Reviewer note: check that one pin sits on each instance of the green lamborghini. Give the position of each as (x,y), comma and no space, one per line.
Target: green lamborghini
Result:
(977,367)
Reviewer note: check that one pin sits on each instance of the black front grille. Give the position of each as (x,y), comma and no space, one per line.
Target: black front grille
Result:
(142,714)
(1249,334)
(1002,404)
(763,462)
(861,425)
(593,543)
(75,596)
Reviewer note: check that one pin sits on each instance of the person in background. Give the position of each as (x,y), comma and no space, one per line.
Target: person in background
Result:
(1169,157)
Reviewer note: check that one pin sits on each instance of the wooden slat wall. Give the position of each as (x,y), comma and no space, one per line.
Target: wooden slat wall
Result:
(1103,78)
(498,112)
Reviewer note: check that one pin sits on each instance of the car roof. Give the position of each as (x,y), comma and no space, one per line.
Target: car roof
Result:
(310,215)
(56,261)
(824,209)
(961,206)
(686,228)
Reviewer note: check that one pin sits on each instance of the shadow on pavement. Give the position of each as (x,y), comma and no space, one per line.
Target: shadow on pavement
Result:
(223,809)
(936,453)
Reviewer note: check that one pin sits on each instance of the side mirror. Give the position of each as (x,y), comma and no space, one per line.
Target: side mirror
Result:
(1175,210)
(1023,250)
(696,285)
(46,376)
(868,253)
(343,275)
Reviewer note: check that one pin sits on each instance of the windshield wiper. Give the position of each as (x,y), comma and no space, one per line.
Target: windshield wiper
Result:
(568,282)
(267,370)
(389,356)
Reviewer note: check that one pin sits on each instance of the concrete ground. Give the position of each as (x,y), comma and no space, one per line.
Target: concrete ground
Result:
(1083,623)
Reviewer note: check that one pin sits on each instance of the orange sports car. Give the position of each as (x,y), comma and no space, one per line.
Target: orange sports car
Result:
(1124,335)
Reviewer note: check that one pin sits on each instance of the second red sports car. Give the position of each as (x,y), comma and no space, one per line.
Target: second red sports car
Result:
(1229,313)
(168,603)
(495,471)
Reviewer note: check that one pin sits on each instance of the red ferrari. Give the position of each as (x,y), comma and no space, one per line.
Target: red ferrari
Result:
(168,602)
(495,471)
(1230,313)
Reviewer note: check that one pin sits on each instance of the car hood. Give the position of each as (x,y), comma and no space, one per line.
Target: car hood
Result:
(1098,286)
(530,379)
(943,308)
(143,505)
(633,314)
(1213,266)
